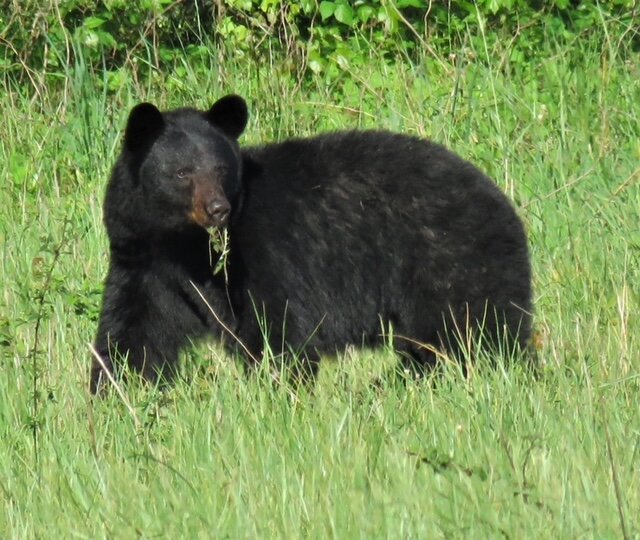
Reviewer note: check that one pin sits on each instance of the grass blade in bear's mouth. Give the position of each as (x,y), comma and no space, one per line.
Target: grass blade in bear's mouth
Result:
(218,250)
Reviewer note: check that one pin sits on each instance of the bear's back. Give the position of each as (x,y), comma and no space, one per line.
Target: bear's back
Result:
(374,223)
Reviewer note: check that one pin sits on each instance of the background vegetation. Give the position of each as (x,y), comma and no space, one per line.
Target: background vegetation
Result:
(543,96)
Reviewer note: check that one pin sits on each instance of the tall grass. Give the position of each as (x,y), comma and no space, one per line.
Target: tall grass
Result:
(499,453)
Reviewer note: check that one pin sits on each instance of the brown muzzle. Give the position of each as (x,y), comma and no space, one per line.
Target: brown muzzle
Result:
(209,206)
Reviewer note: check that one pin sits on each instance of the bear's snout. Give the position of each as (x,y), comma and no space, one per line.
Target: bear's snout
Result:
(218,211)
(209,206)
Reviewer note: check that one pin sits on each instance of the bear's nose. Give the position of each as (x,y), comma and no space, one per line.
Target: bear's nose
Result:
(219,210)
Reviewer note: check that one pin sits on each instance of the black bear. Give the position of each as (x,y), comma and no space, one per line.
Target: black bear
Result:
(331,239)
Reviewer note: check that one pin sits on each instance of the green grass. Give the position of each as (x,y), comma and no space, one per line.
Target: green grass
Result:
(502,453)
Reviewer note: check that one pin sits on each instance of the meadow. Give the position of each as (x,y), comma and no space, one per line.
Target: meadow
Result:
(500,453)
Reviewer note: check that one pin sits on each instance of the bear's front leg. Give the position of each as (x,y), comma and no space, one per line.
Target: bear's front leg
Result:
(138,329)
(111,358)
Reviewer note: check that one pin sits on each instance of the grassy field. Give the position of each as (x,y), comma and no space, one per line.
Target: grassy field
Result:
(499,454)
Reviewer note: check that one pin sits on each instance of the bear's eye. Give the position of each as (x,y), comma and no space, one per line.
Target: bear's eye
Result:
(181,174)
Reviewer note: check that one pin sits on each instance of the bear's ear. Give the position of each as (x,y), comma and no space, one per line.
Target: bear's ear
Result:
(144,125)
(229,114)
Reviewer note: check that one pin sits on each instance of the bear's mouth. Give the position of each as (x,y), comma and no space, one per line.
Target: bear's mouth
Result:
(208,221)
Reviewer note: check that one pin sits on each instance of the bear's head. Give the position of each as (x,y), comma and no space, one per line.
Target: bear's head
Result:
(186,164)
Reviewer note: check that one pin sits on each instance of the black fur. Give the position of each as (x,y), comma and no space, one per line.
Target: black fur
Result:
(332,237)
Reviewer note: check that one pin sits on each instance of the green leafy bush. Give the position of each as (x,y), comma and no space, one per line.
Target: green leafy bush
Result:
(317,36)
